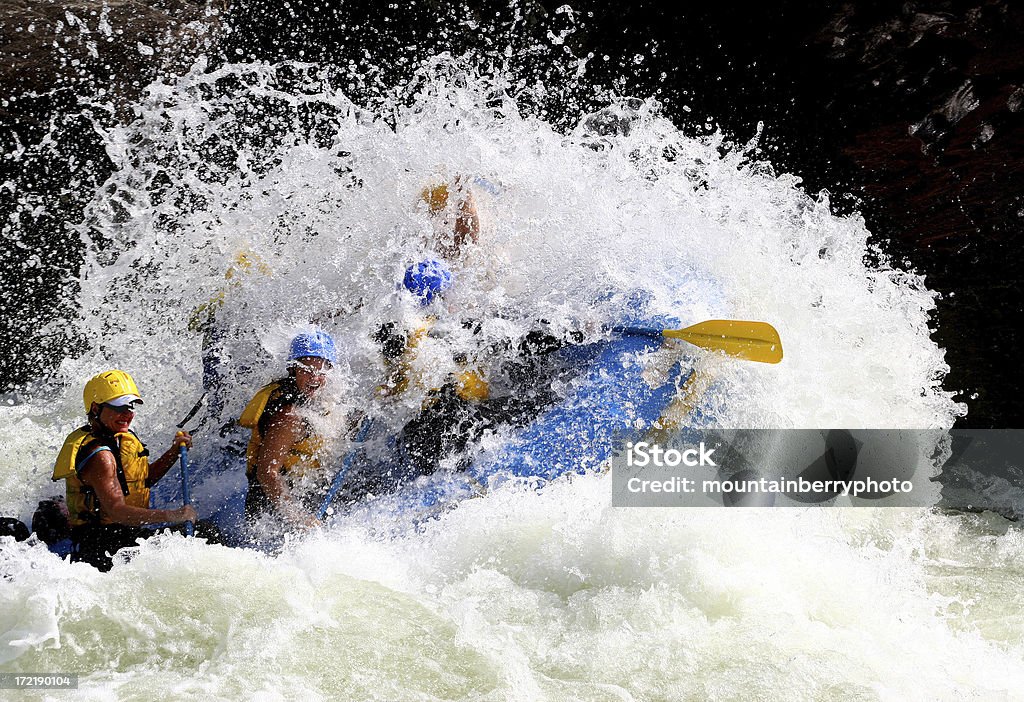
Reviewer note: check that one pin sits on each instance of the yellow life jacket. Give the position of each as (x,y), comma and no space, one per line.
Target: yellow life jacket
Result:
(131,459)
(302,456)
(470,384)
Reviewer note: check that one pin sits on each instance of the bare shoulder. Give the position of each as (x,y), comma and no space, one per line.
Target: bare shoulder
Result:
(100,467)
(284,419)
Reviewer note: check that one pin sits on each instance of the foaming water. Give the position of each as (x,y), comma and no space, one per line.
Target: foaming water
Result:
(519,594)
(551,595)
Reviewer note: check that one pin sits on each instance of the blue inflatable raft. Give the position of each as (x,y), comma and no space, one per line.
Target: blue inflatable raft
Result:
(618,390)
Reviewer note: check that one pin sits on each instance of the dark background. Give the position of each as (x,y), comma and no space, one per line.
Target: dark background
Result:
(911,114)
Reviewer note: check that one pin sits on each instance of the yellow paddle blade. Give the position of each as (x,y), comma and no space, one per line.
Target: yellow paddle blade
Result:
(752,341)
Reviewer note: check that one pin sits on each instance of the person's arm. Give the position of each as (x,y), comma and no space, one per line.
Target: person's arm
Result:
(159,467)
(100,473)
(283,432)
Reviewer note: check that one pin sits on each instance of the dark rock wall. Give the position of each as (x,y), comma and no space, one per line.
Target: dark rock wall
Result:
(910,114)
(935,141)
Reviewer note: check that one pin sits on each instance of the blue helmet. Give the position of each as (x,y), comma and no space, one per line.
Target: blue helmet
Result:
(316,344)
(427,280)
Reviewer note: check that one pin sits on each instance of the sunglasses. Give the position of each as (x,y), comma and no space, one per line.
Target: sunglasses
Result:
(124,409)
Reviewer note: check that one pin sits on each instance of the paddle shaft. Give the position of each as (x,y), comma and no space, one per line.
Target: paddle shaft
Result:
(346,463)
(192,412)
(639,331)
(186,498)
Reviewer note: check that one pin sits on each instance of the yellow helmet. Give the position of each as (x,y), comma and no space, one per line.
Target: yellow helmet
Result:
(436,197)
(112,387)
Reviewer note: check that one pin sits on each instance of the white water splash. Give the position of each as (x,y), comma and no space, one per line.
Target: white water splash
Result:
(518,595)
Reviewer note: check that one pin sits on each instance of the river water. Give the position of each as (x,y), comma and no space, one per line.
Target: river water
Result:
(520,594)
